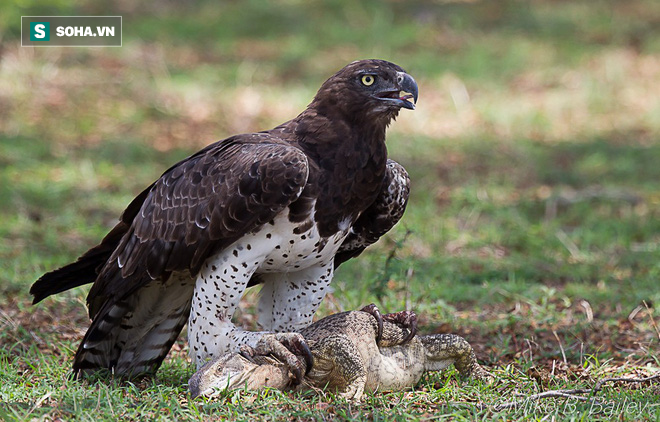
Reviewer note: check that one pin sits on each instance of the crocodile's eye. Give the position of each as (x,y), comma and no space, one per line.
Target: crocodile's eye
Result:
(368,80)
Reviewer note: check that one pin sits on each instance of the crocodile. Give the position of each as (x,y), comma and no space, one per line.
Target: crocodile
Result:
(353,352)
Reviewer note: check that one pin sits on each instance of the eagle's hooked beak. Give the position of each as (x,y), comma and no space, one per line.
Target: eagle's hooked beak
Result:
(406,89)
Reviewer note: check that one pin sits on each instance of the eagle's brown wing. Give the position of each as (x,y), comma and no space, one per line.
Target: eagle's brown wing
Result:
(381,216)
(199,206)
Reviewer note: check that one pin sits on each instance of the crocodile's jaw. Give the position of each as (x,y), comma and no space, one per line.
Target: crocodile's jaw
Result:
(233,371)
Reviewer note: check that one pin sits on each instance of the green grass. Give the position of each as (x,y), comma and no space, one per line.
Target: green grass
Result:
(533,228)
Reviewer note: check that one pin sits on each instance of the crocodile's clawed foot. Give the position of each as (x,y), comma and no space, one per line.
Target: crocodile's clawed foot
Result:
(287,348)
(375,312)
(483,375)
(404,319)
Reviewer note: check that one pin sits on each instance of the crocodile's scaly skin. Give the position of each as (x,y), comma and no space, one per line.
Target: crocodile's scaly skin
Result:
(347,359)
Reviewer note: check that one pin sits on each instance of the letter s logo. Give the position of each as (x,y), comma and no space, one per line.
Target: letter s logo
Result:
(39,30)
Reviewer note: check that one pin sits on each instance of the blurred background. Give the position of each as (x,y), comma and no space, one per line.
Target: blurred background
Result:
(534,151)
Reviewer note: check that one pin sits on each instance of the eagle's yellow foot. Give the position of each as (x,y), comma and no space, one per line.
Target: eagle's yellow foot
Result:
(286,347)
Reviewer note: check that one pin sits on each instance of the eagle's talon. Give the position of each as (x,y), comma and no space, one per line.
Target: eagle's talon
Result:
(404,319)
(307,355)
(297,375)
(373,310)
(298,346)
(287,348)
(248,353)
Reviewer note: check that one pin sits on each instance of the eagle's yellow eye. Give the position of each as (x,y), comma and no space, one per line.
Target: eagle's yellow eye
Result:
(368,80)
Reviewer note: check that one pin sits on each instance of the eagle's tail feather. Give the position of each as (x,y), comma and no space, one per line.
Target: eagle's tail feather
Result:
(132,337)
(83,271)
(78,273)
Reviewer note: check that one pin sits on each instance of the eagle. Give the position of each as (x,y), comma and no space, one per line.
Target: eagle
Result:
(282,208)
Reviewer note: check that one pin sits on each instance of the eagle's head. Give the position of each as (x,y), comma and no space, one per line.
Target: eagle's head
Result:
(368,89)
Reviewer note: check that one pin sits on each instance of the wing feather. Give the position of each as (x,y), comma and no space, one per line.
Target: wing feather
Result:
(199,206)
(381,216)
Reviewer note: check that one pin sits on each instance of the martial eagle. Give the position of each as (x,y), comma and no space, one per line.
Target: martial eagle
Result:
(281,208)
